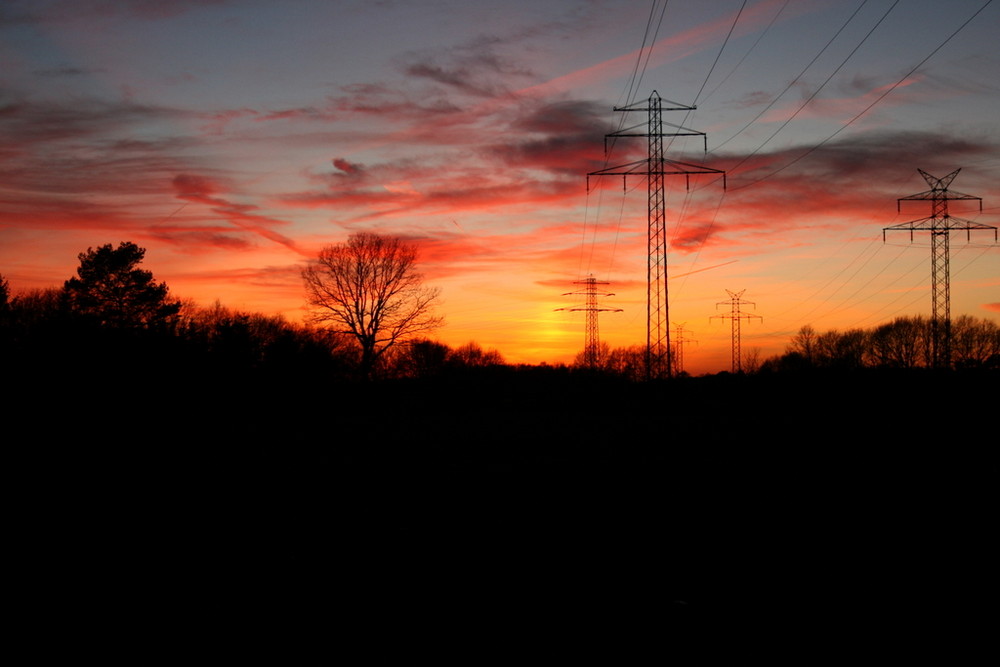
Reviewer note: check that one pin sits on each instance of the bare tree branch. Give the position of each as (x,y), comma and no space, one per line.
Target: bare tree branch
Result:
(369,288)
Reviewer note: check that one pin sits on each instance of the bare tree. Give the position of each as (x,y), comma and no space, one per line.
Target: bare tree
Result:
(369,288)
(836,349)
(629,362)
(599,361)
(4,294)
(472,355)
(974,341)
(752,360)
(804,343)
(902,343)
(418,358)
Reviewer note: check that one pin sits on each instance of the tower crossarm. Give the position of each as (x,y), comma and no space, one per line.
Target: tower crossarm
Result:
(738,315)
(590,310)
(935,194)
(667,168)
(683,132)
(644,105)
(948,223)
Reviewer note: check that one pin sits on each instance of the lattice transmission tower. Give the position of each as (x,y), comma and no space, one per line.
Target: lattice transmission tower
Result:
(940,225)
(656,167)
(592,341)
(737,316)
(679,340)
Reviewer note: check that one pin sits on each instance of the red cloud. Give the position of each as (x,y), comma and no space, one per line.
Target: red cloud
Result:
(190,186)
(199,189)
(346,167)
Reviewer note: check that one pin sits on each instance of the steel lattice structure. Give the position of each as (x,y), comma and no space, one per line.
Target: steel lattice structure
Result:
(658,351)
(737,316)
(679,340)
(591,345)
(940,225)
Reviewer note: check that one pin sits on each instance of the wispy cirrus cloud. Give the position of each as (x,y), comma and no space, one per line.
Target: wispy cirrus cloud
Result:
(27,121)
(477,68)
(561,137)
(84,159)
(551,145)
(839,108)
(246,217)
(91,159)
(31,11)
(66,71)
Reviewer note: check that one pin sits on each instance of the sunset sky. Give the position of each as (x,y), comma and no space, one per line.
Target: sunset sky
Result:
(234,138)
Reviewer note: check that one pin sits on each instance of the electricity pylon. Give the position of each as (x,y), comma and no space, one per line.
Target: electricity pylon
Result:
(658,352)
(940,224)
(592,343)
(679,341)
(736,315)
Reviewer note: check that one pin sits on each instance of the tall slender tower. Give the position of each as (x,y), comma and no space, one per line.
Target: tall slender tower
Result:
(736,315)
(656,167)
(679,340)
(940,225)
(592,342)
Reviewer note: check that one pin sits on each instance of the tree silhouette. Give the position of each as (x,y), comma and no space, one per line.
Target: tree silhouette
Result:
(472,355)
(419,358)
(902,343)
(974,342)
(111,290)
(804,343)
(4,294)
(369,288)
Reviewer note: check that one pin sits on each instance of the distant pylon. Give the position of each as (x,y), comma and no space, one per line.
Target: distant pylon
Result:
(658,351)
(592,343)
(940,224)
(736,315)
(679,341)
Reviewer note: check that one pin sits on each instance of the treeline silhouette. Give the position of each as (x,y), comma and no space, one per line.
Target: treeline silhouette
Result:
(905,342)
(98,324)
(42,334)
(233,463)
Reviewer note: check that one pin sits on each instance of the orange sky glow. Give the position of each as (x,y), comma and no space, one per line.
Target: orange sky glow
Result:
(233,140)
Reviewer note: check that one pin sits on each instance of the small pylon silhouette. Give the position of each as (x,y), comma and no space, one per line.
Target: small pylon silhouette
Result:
(679,341)
(735,300)
(592,345)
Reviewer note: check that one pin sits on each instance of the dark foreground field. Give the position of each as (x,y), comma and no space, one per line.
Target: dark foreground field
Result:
(749,513)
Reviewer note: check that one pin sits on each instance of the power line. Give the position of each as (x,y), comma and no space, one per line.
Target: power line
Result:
(815,93)
(832,39)
(870,106)
(792,82)
(753,46)
(637,73)
(719,54)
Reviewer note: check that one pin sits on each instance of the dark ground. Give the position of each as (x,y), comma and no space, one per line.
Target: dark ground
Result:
(755,514)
